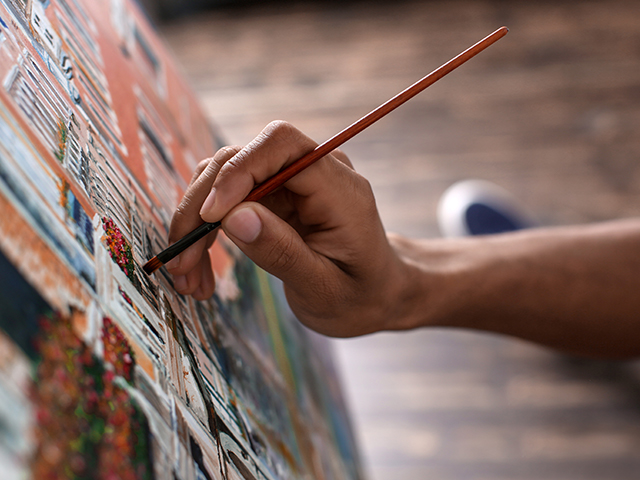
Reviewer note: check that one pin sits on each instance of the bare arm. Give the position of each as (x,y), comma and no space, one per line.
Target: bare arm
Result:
(572,288)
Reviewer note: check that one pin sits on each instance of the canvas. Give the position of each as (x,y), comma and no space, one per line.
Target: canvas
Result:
(106,372)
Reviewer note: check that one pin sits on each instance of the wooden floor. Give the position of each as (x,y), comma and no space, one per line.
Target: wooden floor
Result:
(551,112)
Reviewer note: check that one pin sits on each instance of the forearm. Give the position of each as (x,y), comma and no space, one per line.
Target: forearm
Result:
(573,288)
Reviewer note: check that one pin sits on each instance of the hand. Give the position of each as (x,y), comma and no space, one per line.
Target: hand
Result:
(320,234)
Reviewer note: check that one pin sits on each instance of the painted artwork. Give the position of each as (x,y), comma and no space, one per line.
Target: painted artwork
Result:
(106,372)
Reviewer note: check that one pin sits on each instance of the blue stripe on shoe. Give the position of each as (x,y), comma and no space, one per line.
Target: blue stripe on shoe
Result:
(484,220)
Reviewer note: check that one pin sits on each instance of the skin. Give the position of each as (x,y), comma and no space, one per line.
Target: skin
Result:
(571,288)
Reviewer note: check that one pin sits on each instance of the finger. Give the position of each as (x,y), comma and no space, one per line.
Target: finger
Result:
(179,224)
(331,194)
(328,181)
(278,145)
(197,281)
(199,169)
(274,245)
(187,283)
(207,281)
(186,217)
(341,156)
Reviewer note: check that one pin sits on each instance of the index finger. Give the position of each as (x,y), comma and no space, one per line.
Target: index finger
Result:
(186,217)
(277,146)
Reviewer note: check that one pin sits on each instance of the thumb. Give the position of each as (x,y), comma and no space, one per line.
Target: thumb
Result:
(271,243)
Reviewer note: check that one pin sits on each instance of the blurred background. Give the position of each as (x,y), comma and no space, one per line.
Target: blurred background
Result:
(551,113)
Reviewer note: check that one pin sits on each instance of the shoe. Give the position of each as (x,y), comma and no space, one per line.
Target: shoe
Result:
(478,207)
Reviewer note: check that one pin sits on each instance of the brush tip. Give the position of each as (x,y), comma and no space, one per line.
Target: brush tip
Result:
(152,265)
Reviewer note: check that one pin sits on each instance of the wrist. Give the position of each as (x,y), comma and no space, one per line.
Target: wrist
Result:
(411,288)
(438,279)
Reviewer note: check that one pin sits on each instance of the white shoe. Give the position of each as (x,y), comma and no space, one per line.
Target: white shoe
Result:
(478,207)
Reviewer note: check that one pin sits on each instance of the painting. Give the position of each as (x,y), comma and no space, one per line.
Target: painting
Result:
(106,372)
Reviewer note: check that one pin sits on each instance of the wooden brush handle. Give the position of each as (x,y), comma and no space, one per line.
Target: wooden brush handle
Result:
(352,130)
(330,145)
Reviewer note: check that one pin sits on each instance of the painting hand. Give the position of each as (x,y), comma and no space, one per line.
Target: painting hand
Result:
(191,270)
(320,234)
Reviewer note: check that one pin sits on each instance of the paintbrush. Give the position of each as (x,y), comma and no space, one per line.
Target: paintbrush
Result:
(327,147)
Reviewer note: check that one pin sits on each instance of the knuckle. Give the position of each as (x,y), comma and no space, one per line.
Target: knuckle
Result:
(181,212)
(364,185)
(343,158)
(364,190)
(283,131)
(365,201)
(184,216)
(237,160)
(237,164)
(279,127)
(224,157)
(202,166)
(184,210)
(225,153)
(180,215)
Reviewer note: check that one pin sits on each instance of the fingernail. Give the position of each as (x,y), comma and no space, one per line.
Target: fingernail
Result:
(173,264)
(208,202)
(180,282)
(244,224)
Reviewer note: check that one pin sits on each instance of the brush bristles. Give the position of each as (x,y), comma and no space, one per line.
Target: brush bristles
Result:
(152,265)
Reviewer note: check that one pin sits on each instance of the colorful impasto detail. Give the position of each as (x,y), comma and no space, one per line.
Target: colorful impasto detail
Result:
(63,190)
(119,248)
(117,351)
(86,424)
(141,315)
(62,141)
